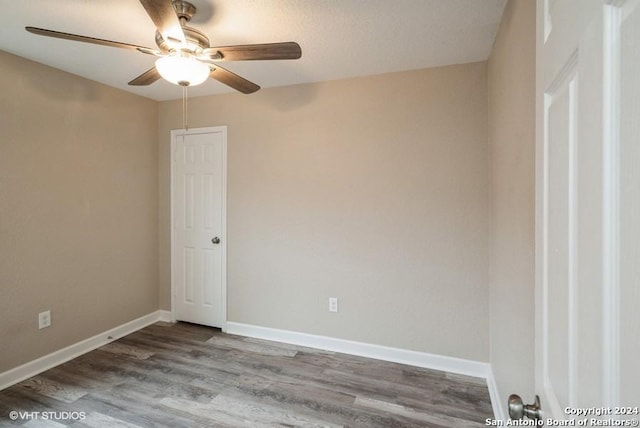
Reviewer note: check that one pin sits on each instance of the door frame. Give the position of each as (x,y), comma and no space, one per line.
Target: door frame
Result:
(175,133)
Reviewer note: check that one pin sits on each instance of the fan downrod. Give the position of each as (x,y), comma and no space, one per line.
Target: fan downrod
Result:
(184,9)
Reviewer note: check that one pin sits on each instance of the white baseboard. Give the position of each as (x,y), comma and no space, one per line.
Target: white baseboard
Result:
(496,403)
(32,368)
(165,316)
(379,352)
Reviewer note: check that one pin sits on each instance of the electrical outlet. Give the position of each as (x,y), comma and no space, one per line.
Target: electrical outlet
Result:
(44,319)
(333,304)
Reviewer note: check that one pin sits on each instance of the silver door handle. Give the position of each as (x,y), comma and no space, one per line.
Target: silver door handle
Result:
(518,410)
(215,240)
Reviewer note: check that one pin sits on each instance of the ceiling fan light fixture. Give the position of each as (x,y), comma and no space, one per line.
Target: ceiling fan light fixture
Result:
(186,51)
(182,69)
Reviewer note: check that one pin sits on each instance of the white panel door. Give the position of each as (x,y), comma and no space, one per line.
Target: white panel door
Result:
(198,225)
(588,206)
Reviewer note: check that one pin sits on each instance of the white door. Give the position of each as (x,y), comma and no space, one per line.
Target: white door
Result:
(588,206)
(198,183)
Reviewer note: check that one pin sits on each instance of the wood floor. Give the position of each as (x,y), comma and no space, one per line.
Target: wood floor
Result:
(184,375)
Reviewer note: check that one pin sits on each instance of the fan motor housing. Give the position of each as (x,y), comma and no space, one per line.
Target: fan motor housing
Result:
(196,41)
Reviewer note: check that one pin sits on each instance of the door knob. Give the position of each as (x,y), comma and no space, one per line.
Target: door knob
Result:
(518,410)
(215,240)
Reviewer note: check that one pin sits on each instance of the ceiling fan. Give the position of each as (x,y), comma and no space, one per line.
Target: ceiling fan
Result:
(185,56)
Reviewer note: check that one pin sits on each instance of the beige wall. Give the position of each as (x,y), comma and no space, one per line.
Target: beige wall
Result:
(78,208)
(511,82)
(373,190)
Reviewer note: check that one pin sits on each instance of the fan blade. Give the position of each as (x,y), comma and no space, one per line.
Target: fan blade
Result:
(284,50)
(165,19)
(85,39)
(150,51)
(233,80)
(146,78)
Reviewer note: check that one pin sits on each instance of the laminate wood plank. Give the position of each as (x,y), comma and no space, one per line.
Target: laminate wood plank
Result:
(178,344)
(56,390)
(206,411)
(378,387)
(156,369)
(273,415)
(114,369)
(258,348)
(328,405)
(137,405)
(22,399)
(258,374)
(435,395)
(180,390)
(183,331)
(165,324)
(76,375)
(443,406)
(242,413)
(468,380)
(286,345)
(98,420)
(394,372)
(428,418)
(237,362)
(124,349)
(39,423)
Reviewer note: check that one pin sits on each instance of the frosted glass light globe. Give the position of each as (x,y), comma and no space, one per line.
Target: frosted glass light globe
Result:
(182,69)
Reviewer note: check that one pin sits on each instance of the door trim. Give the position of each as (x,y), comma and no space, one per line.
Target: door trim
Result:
(611,202)
(195,131)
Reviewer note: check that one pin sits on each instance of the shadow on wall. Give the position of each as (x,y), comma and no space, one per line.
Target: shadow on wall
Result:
(288,98)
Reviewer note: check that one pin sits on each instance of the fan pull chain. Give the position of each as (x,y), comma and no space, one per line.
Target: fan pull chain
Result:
(185,108)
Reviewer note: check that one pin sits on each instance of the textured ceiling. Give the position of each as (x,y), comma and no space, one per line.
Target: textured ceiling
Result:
(339,38)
